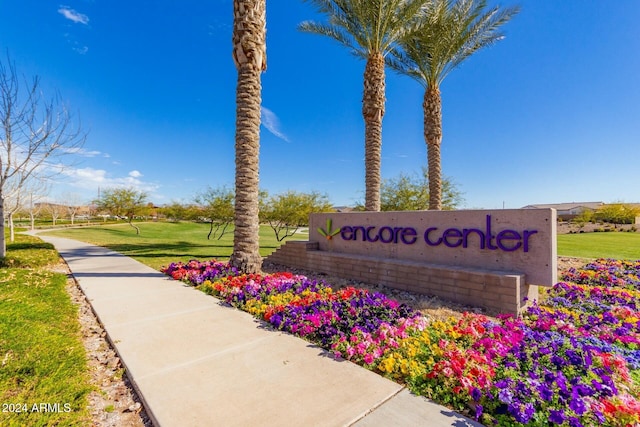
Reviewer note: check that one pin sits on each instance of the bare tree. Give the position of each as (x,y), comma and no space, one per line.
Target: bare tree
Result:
(35,194)
(56,211)
(34,130)
(73,202)
(12,204)
(22,198)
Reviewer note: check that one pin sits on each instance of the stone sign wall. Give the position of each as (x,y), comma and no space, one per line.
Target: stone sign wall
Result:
(521,241)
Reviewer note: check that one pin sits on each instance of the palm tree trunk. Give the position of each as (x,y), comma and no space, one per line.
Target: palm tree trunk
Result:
(249,54)
(432,107)
(373,110)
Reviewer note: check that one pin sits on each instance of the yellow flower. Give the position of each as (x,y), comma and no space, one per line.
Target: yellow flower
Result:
(454,334)
(412,351)
(436,350)
(387,364)
(415,368)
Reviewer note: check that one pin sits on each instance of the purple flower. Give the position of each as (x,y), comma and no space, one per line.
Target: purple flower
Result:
(582,390)
(522,412)
(609,385)
(479,411)
(561,380)
(558,361)
(505,395)
(545,392)
(503,383)
(577,405)
(574,358)
(599,416)
(522,389)
(556,416)
(575,422)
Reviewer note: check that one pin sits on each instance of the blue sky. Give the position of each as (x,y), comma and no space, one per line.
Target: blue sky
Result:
(550,114)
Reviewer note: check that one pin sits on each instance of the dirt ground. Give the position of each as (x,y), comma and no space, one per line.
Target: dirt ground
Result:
(114,403)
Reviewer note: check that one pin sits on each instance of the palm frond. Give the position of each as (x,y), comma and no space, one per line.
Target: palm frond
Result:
(399,62)
(449,32)
(372,25)
(336,33)
(481,32)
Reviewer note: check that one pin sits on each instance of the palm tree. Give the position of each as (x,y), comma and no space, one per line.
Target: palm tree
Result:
(451,31)
(369,28)
(249,55)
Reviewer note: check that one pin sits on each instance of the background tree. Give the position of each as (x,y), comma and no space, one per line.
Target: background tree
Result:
(410,192)
(73,203)
(369,29)
(587,215)
(289,211)
(56,211)
(177,211)
(23,199)
(32,205)
(250,57)
(14,201)
(450,32)
(123,202)
(32,130)
(217,206)
(617,213)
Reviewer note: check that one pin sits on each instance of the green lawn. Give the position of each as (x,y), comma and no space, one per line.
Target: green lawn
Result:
(618,245)
(161,243)
(43,370)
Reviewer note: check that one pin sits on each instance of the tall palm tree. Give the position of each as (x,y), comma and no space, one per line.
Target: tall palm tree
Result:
(369,28)
(450,32)
(249,55)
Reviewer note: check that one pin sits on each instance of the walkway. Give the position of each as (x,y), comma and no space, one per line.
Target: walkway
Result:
(196,362)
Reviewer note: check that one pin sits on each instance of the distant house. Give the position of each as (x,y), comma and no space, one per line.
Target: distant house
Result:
(343,208)
(568,211)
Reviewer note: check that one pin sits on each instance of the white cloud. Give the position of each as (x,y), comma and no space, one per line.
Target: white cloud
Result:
(78,151)
(271,123)
(90,179)
(89,174)
(81,50)
(73,16)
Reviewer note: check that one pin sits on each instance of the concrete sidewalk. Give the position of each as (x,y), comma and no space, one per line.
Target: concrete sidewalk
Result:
(196,362)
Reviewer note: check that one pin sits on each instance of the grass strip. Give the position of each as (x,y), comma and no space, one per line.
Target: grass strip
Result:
(615,245)
(159,244)
(43,369)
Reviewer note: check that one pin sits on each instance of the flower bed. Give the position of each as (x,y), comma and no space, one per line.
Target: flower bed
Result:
(569,360)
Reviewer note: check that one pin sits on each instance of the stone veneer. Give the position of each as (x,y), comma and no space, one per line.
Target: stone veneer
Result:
(499,292)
